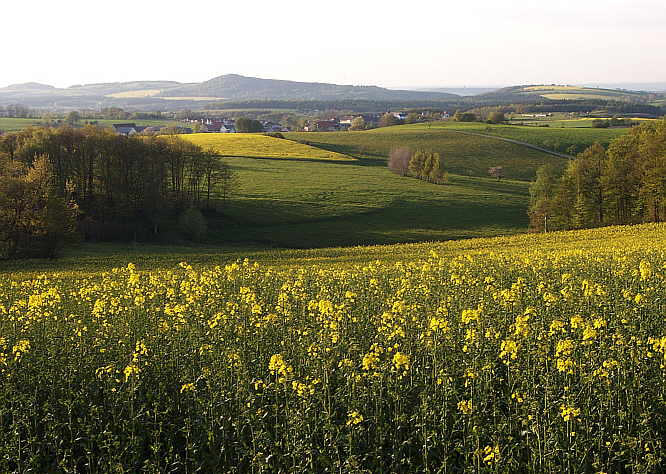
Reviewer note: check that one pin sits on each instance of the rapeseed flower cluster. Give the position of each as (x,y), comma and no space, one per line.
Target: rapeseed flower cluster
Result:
(481,359)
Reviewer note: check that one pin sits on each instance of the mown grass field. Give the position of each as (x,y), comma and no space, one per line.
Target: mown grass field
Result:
(253,145)
(305,204)
(578,96)
(461,154)
(577,93)
(553,138)
(533,353)
(565,122)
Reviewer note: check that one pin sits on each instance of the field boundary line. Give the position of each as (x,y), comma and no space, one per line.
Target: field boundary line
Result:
(516,142)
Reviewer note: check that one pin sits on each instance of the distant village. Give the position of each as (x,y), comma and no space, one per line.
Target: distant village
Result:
(228,125)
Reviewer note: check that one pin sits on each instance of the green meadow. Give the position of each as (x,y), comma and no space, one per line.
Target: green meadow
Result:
(461,154)
(15,124)
(313,204)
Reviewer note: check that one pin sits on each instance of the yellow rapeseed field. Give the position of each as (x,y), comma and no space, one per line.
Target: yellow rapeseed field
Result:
(535,359)
(253,145)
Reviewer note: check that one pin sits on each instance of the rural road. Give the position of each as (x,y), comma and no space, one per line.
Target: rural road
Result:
(516,142)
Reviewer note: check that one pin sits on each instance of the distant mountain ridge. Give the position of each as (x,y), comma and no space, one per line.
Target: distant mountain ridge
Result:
(172,95)
(29,86)
(162,94)
(237,87)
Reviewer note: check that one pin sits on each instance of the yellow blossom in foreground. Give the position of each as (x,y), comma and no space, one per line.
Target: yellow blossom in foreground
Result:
(188,387)
(20,348)
(509,350)
(568,412)
(465,406)
(491,454)
(279,367)
(354,418)
(132,370)
(470,315)
(518,397)
(401,361)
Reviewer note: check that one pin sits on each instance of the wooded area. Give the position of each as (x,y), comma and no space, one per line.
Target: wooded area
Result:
(625,184)
(107,186)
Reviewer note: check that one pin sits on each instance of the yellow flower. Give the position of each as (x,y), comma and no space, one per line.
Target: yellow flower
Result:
(509,350)
(105,370)
(354,418)
(20,348)
(589,333)
(566,365)
(279,367)
(188,387)
(470,315)
(465,406)
(491,455)
(556,326)
(518,397)
(568,412)
(303,390)
(401,361)
(132,370)
(439,324)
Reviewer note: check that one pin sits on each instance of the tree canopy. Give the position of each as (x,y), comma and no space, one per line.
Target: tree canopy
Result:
(624,184)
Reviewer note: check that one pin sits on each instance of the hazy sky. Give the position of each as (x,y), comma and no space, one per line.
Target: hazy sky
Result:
(389,43)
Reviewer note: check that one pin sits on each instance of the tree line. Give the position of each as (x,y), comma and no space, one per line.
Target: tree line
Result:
(108,187)
(624,184)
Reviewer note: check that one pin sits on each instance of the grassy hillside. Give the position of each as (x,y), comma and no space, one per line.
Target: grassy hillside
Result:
(91,259)
(15,124)
(261,146)
(562,121)
(554,138)
(462,154)
(565,92)
(306,204)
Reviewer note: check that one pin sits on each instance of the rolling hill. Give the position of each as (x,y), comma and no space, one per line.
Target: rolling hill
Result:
(236,87)
(564,92)
(463,154)
(252,145)
(171,94)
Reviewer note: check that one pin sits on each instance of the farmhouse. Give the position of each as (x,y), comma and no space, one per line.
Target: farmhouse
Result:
(273,127)
(327,125)
(218,126)
(127,129)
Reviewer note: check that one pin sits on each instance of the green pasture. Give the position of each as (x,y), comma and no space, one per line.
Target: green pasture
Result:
(559,139)
(15,124)
(461,154)
(290,203)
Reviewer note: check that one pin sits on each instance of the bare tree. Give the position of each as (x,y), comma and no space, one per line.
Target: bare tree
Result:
(398,161)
